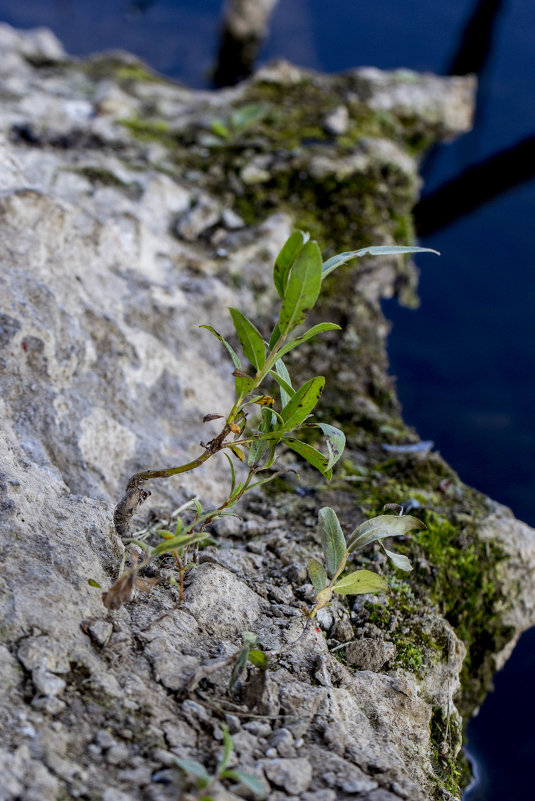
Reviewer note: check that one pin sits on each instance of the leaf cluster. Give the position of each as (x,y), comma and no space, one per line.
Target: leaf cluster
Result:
(328,579)
(263,382)
(204,781)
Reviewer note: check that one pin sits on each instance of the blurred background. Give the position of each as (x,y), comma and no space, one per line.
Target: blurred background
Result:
(464,360)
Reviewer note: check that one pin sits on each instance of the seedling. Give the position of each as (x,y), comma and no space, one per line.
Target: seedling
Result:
(263,382)
(336,550)
(204,781)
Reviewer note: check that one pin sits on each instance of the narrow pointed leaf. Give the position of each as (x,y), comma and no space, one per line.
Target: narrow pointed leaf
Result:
(285,259)
(312,456)
(317,574)
(302,403)
(228,747)
(168,546)
(336,442)
(239,665)
(232,473)
(237,452)
(249,781)
(399,560)
(233,355)
(376,250)
(317,329)
(380,527)
(193,767)
(93,583)
(250,338)
(258,447)
(360,582)
(302,289)
(275,336)
(284,386)
(332,538)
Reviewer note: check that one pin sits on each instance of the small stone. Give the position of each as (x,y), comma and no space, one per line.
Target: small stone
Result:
(283,741)
(198,219)
(292,775)
(233,723)
(319,795)
(117,754)
(231,220)
(370,654)
(100,632)
(258,728)
(47,683)
(105,739)
(324,618)
(337,122)
(342,631)
(50,705)
(254,174)
(296,573)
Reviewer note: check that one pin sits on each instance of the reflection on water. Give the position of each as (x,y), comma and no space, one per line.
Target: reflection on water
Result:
(465,360)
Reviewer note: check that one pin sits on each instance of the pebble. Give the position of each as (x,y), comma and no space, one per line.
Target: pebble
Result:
(292,775)
(337,122)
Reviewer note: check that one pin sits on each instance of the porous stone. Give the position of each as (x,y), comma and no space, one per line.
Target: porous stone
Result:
(369,654)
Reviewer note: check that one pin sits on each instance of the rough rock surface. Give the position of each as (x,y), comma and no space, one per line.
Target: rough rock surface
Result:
(125,222)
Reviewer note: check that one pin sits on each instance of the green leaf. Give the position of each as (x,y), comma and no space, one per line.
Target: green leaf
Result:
(242,383)
(246,116)
(285,259)
(193,767)
(282,377)
(275,336)
(250,338)
(248,780)
(399,560)
(360,582)
(219,128)
(317,574)
(336,442)
(168,546)
(232,473)
(317,329)
(302,289)
(380,527)
(302,402)
(93,583)
(233,355)
(259,446)
(376,250)
(258,658)
(332,539)
(239,665)
(312,456)
(228,747)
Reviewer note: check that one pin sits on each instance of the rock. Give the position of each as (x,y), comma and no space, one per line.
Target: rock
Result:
(292,775)
(368,654)
(118,246)
(337,122)
(342,631)
(203,215)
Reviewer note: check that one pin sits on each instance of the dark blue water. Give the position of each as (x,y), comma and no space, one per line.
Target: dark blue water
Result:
(465,360)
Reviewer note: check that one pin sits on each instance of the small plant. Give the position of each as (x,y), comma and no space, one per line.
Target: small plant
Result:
(336,550)
(230,130)
(298,274)
(204,781)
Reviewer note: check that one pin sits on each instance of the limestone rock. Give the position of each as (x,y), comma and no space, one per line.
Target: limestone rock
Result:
(121,232)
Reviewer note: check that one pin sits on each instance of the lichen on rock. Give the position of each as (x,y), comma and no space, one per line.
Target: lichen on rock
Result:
(126,220)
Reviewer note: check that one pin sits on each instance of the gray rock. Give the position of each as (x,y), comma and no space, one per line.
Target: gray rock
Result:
(292,775)
(369,654)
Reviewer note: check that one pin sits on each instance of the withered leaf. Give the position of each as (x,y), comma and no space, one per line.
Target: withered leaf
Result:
(208,417)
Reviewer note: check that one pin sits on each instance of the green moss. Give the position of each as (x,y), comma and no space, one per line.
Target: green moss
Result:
(103,177)
(148,130)
(445,743)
